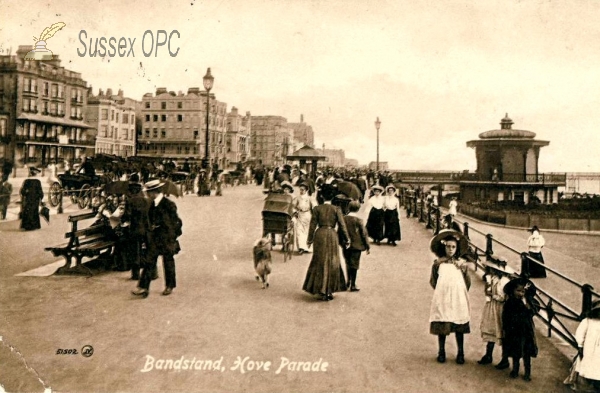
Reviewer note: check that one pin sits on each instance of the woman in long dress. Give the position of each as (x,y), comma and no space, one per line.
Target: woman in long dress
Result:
(31,198)
(376,215)
(535,243)
(391,216)
(325,275)
(303,206)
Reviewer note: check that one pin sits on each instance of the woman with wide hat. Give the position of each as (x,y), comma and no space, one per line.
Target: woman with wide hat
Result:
(391,215)
(535,243)
(31,199)
(375,220)
(450,309)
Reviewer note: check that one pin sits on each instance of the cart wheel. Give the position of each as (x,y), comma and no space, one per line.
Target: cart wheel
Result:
(54,194)
(85,196)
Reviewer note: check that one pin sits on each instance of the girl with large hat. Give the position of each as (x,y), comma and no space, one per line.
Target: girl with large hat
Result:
(450,310)
(391,215)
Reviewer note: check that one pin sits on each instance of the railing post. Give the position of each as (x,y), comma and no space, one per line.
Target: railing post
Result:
(586,301)
(437,220)
(428,226)
(415,210)
(466,229)
(421,219)
(488,246)
(550,313)
(524,265)
(60,201)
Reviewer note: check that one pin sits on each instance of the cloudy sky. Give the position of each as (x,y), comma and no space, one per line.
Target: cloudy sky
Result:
(437,73)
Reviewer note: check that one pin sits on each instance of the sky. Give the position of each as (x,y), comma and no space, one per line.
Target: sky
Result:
(436,73)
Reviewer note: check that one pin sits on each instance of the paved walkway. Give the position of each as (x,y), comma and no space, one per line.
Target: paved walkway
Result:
(375,340)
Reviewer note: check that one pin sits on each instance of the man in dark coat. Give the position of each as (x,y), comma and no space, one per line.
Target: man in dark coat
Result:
(165,227)
(136,215)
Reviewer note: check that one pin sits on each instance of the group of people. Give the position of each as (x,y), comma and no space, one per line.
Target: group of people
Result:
(384,215)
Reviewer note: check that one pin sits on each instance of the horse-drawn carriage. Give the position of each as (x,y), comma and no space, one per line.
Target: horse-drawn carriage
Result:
(277,216)
(79,187)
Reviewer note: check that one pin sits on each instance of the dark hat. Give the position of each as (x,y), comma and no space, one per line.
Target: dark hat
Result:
(153,185)
(533,229)
(529,286)
(302,185)
(33,170)
(377,187)
(288,185)
(328,192)
(438,242)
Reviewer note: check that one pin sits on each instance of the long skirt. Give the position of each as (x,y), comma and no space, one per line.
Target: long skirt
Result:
(30,214)
(392,225)
(375,224)
(325,274)
(302,225)
(536,270)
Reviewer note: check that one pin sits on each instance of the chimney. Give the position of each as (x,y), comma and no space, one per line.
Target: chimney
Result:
(301,118)
(109,92)
(161,90)
(120,94)
(100,93)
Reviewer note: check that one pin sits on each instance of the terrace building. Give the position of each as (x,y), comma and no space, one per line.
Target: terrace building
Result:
(303,133)
(42,111)
(237,140)
(272,140)
(114,118)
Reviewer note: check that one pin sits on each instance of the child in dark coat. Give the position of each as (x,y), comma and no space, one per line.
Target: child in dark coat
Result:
(517,322)
(358,243)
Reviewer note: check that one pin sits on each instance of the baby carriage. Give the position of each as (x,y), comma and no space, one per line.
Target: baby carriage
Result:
(277,218)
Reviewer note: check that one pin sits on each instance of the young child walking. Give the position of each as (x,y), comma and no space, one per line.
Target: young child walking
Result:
(359,242)
(450,310)
(496,278)
(517,322)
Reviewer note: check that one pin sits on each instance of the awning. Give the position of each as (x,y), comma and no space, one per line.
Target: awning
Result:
(59,144)
(53,120)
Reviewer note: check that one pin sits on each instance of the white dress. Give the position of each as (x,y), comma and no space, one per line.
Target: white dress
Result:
(588,337)
(450,301)
(452,207)
(303,205)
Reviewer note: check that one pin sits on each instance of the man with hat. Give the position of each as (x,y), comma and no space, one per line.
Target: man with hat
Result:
(165,228)
(138,223)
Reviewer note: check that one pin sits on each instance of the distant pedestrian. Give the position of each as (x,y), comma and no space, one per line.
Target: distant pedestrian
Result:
(453,207)
(450,309)
(535,243)
(517,323)
(5,193)
(31,199)
(495,278)
(359,242)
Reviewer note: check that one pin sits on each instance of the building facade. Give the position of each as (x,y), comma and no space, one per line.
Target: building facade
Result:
(237,141)
(335,158)
(42,111)
(114,118)
(272,140)
(174,126)
(303,133)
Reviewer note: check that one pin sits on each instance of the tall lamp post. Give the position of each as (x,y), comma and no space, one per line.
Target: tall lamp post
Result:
(208,84)
(377,125)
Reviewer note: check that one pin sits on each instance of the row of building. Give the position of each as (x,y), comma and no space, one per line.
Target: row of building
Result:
(50,114)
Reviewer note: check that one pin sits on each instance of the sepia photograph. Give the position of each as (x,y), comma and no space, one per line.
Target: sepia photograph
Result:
(320,196)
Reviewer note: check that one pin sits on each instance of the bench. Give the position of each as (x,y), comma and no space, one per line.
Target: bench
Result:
(88,242)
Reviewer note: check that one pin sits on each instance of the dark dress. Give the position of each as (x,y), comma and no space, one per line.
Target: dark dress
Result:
(519,330)
(375,222)
(325,274)
(392,225)
(31,197)
(536,270)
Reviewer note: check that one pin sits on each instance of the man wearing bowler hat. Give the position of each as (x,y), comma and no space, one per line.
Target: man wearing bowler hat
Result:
(165,227)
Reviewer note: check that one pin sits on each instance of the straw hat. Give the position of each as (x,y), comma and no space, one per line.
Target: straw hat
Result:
(153,185)
(437,245)
(377,187)
(500,265)
(390,186)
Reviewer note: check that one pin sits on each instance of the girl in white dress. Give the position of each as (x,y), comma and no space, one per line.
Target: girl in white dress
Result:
(450,310)
(303,206)
(588,340)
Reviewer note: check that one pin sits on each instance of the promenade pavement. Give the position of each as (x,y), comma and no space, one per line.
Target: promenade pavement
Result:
(375,340)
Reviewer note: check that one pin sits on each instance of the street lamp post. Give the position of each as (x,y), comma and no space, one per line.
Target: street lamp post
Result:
(208,84)
(377,125)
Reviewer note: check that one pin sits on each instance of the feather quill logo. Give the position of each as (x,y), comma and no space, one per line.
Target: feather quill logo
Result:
(40,52)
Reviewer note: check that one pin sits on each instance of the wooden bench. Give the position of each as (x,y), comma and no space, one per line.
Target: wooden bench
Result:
(88,242)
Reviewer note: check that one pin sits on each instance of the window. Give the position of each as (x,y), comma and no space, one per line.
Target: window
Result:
(45,108)
(61,91)
(33,87)
(147,105)
(195,134)
(147,133)
(139,133)
(54,90)
(125,118)
(26,105)
(112,114)
(155,118)
(45,92)
(124,134)
(163,117)
(162,148)
(60,109)
(147,117)
(112,130)
(2,127)
(179,105)
(103,131)
(163,133)
(104,114)
(73,94)
(163,105)
(178,149)
(186,150)
(73,112)
(132,119)
(117,117)
(179,117)
(155,133)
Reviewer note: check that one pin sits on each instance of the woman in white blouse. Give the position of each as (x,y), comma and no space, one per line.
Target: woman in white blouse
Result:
(375,221)
(391,215)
